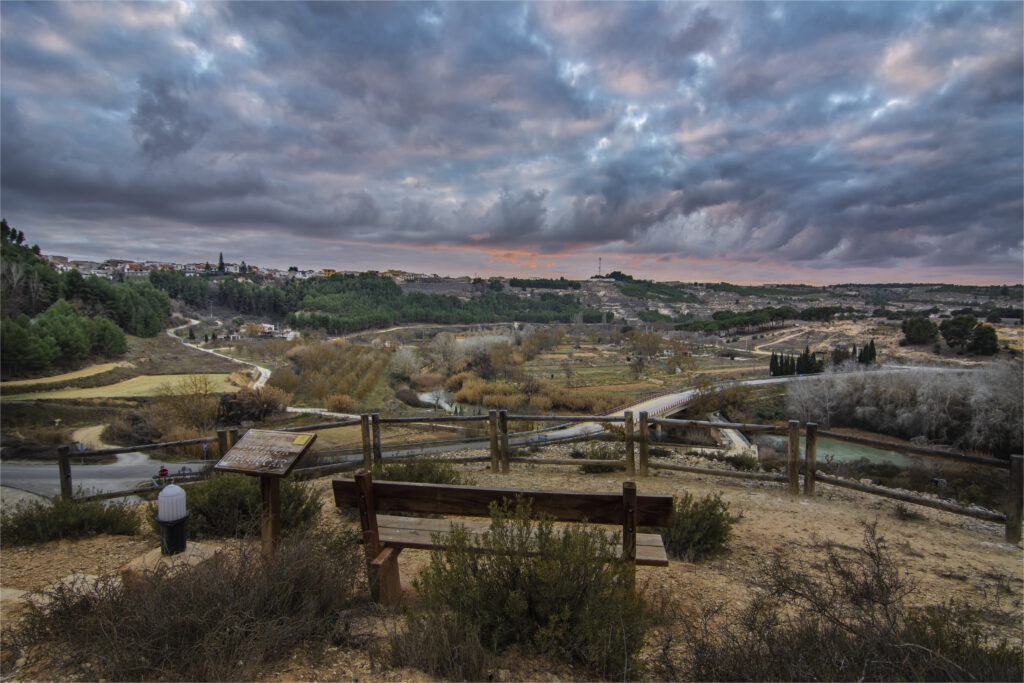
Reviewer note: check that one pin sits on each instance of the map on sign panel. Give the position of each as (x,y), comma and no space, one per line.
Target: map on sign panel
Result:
(266,453)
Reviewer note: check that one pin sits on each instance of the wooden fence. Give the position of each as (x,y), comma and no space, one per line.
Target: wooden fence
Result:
(637,438)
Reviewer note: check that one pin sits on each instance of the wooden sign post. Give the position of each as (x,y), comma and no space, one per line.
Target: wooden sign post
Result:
(270,456)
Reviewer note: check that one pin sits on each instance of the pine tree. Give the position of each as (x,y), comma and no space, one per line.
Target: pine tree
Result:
(220,263)
(867,354)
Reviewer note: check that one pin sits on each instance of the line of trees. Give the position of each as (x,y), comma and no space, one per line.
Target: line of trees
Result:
(544,283)
(808,363)
(804,364)
(351,302)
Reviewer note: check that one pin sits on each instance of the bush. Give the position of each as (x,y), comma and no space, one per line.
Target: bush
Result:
(228,506)
(340,403)
(132,428)
(248,404)
(410,398)
(426,381)
(745,462)
(419,471)
(598,452)
(39,522)
(845,618)
(698,527)
(572,599)
(219,620)
(901,511)
(440,644)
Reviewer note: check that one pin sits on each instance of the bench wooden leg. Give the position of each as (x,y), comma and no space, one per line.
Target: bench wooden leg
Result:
(385,583)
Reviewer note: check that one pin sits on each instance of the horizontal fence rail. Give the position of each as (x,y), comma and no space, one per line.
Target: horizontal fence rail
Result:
(636,437)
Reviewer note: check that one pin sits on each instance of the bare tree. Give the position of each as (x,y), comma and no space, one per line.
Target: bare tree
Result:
(36,289)
(405,363)
(446,352)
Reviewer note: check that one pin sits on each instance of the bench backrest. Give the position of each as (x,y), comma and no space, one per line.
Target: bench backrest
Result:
(473,501)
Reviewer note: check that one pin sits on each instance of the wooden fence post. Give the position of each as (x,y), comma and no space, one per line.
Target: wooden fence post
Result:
(233,436)
(364,426)
(629,526)
(492,428)
(270,515)
(222,442)
(811,458)
(793,468)
(627,423)
(375,424)
(643,443)
(64,463)
(1016,499)
(503,439)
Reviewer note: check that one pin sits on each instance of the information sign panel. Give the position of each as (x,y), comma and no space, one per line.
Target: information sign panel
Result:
(266,453)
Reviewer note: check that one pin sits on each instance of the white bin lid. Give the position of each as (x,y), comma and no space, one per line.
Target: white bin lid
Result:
(170,504)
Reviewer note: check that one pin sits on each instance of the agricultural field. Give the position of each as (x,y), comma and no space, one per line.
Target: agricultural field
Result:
(143,385)
(147,366)
(334,375)
(89,371)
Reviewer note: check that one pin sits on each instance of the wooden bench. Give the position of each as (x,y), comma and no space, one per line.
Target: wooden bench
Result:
(384,536)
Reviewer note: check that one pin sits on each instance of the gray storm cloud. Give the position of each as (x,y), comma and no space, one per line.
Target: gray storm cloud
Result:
(164,122)
(823,135)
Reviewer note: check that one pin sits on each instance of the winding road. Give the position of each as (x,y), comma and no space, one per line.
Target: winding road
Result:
(657,405)
(264,372)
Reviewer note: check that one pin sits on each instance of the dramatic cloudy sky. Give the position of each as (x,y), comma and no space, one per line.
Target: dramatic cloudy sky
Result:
(814,142)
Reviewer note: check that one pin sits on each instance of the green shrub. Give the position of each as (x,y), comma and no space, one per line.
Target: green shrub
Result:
(598,452)
(39,522)
(560,593)
(843,618)
(219,620)
(698,527)
(418,471)
(745,462)
(228,506)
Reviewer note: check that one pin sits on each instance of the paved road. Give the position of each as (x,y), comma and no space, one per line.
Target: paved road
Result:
(264,372)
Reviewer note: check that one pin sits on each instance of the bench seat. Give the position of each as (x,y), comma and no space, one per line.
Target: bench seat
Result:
(385,533)
(418,533)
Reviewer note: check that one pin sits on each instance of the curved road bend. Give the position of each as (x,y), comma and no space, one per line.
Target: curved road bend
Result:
(264,372)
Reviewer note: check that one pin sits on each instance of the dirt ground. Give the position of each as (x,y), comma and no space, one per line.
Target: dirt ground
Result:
(948,557)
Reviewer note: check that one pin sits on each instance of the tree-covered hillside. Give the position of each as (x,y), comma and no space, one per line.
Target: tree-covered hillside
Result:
(59,320)
(351,302)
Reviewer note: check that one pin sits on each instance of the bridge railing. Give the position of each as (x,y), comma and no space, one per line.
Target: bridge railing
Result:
(636,435)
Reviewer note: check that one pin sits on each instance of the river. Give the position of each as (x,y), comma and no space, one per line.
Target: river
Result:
(840,451)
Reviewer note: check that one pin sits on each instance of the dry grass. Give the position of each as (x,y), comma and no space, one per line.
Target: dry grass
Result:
(65,377)
(224,619)
(144,385)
